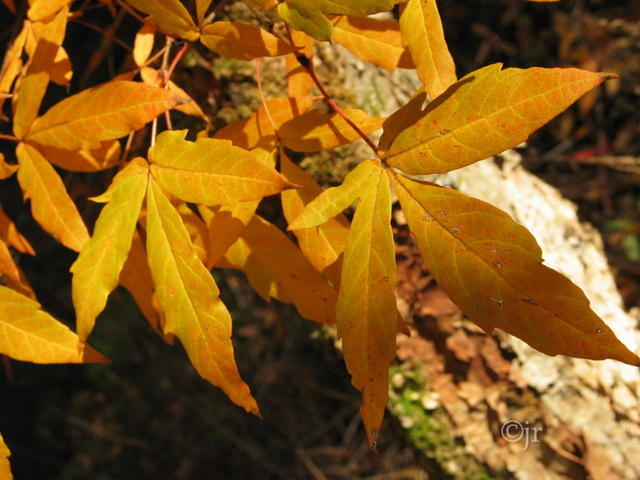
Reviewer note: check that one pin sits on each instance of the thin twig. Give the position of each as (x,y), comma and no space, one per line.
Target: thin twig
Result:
(84,23)
(8,137)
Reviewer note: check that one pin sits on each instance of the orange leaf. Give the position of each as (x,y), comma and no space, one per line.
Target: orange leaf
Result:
(374,41)
(366,313)
(404,117)
(6,169)
(10,234)
(242,41)
(41,9)
(105,112)
(299,82)
(423,35)
(143,44)
(276,268)
(314,131)
(107,155)
(491,267)
(12,64)
(322,245)
(257,129)
(5,467)
(29,334)
(97,269)
(50,203)
(170,16)
(210,171)
(11,274)
(189,299)
(471,122)
(189,107)
(201,9)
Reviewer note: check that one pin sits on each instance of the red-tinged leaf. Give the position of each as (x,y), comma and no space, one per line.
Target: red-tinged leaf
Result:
(374,41)
(257,129)
(472,121)
(401,119)
(422,34)
(190,107)
(97,269)
(107,155)
(210,171)
(135,276)
(5,467)
(491,267)
(50,203)
(41,9)
(143,45)
(34,84)
(105,112)
(299,82)
(314,131)
(29,334)
(170,16)
(11,274)
(276,267)
(331,202)
(323,244)
(366,313)
(242,41)
(10,235)
(6,169)
(189,299)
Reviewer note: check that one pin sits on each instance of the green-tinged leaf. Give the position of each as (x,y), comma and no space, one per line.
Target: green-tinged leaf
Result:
(97,269)
(331,202)
(242,41)
(257,129)
(29,334)
(9,234)
(10,273)
(6,169)
(189,299)
(486,112)
(322,244)
(422,34)
(491,267)
(107,155)
(51,205)
(170,16)
(210,171)
(374,41)
(105,112)
(366,313)
(314,131)
(5,466)
(276,267)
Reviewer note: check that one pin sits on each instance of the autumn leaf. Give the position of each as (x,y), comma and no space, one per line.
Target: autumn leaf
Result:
(41,9)
(107,155)
(143,45)
(9,234)
(407,115)
(314,130)
(210,171)
(491,267)
(189,299)
(366,311)
(299,82)
(201,9)
(374,41)
(11,274)
(422,34)
(50,203)
(11,65)
(170,16)
(104,112)
(242,41)
(188,106)
(5,467)
(29,334)
(6,169)
(471,121)
(97,269)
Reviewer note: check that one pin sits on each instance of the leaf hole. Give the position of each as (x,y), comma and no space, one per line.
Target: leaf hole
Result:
(497,264)
(455,230)
(441,214)
(386,279)
(495,250)
(497,301)
(599,330)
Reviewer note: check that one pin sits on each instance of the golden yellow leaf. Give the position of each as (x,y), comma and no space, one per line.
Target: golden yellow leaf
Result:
(143,44)
(10,234)
(257,129)
(11,65)
(201,10)
(242,41)
(210,171)
(374,41)
(472,122)
(50,203)
(6,169)
(299,82)
(331,202)
(5,466)
(422,34)
(104,112)
(323,244)
(197,229)
(29,334)
(491,267)
(314,131)
(276,267)
(189,299)
(404,117)
(107,155)
(366,313)
(170,16)
(97,269)
(10,273)
(41,9)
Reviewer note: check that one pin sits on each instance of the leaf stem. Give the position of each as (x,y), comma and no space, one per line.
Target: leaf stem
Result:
(8,137)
